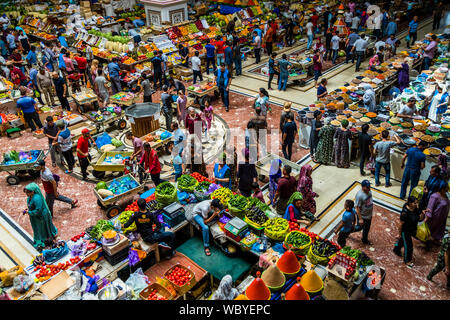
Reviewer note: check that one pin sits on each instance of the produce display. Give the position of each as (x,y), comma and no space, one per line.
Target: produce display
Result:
(165,194)
(203,186)
(201,87)
(14,157)
(187,183)
(100,227)
(237,203)
(117,187)
(223,194)
(297,239)
(345,261)
(179,276)
(256,203)
(123,218)
(257,216)
(276,228)
(361,258)
(154,295)
(77,237)
(293,226)
(201,178)
(321,251)
(48,271)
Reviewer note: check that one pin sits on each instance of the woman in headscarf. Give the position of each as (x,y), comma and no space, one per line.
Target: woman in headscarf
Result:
(369,99)
(189,123)
(181,106)
(40,217)
(431,186)
(316,125)
(438,105)
(442,163)
(437,212)
(262,101)
(305,183)
(274,175)
(324,149)
(294,211)
(23,38)
(225,291)
(319,46)
(403,76)
(341,148)
(222,172)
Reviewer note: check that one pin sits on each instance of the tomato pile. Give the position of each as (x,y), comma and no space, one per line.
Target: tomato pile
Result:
(179,276)
(201,178)
(154,295)
(309,233)
(132,207)
(293,226)
(77,237)
(150,198)
(48,271)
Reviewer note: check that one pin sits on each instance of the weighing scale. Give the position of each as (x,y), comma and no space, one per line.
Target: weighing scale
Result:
(173,214)
(236,226)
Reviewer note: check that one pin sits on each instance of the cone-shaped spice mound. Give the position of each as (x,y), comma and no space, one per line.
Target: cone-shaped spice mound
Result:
(311,281)
(257,290)
(297,292)
(288,263)
(273,277)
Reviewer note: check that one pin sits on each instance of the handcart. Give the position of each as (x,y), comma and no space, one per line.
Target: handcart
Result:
(202,95)
(22,168)
(107,120)
(85,99)
(100,167)
(112,205)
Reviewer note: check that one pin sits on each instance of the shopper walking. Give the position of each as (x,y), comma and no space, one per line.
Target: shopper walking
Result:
(358,51)
(210,56)
(223,81)
(382,151)
(414,165)
(272,71)
(257,46)
(317,66)
(284,66)
(246,175)
(289,133)
(412,32)
(364,209)
(437,15)
(50,184)
(196,67)
(365,147)
(305,187)
(51,132)
(341,149)
(409,218)
(285,188)
(229,56)
(443,260)
(44,230)
(437,212)
(335,46)
(64,141)
(114,75)
(83,151)
(166,100)
(100,87)
(309,34)
(45,85)
(28,107)
(347,224)
(316,125)
(237,58)
(61,89)
(431,186)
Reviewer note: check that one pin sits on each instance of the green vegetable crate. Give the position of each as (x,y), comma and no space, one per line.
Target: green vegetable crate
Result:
(299,242)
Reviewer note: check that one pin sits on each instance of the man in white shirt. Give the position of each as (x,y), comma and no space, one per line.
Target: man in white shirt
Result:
(348,18)
(257,46)
(355,23)
(196,67)
(378,44)
(309,33)
(335,46)
(377,21)
(359,47)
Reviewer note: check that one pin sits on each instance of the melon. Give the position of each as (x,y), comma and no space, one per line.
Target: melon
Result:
(105,193)
(101,185)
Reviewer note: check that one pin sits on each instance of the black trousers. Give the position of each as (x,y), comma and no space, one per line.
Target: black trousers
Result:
(362,161)
(160,236)
(84,164)
(148,98)
(406,243)
(365,229)
(157,76)
(31,117)
(269,48)
(413,38)
(197,74)
(245,193)
(287,150)
(342,238)
(271,78)
(258,54)
(211,61)
(68,155)
(328,53)
(156,178)
(436,22)
(64,102)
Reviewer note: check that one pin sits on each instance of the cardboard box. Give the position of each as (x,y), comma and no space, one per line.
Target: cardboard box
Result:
(112,250)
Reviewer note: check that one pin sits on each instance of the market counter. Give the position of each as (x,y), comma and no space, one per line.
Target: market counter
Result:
(396,161)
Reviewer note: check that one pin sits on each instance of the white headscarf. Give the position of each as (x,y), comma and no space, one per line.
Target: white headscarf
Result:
(225,291)
(369,97)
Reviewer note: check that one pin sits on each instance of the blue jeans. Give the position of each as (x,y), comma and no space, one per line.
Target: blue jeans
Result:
(348,54)
(225,99)
(283,81)
(387,169)
(220,58)
(205,230)
(409,174)
(210,61)
(238,66)
(359,59)
(426,63)
(310,41)
(335,54)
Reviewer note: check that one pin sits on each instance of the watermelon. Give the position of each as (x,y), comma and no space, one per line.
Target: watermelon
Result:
(101,185)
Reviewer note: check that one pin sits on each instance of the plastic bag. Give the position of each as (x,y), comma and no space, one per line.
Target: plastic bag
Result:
(54,254)
(22,283)
(423,232)
(407,38)
(137,281)
(417,192)
(77,248)
(7,277)
(370,165)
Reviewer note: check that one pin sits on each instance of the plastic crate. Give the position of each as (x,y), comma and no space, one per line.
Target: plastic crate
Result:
(118,257)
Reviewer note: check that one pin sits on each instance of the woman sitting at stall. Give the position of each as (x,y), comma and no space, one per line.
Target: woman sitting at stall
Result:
(403,76)
(373,62)
(262,101)
(305,183)
(40,217)
(222,172)
(369,98)
(341,148)
(294,211)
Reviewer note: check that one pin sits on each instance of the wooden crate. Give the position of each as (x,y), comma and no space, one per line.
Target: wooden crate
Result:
(143,126)
(159,288)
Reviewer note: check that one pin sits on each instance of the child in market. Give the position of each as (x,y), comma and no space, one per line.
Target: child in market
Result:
(257,193)
(209,115)
(347,224)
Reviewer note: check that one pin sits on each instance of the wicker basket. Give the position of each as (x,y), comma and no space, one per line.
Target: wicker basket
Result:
(303,250)
(159,288)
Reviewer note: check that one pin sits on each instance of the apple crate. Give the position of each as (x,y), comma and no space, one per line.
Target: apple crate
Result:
(187,286)
(159,288)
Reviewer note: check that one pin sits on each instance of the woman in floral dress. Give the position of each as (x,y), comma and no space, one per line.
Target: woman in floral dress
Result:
(305,183)
(324,153)
(341,152)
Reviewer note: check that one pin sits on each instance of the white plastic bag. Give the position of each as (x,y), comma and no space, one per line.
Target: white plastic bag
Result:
(137,281)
